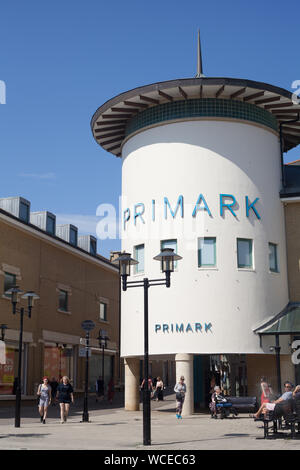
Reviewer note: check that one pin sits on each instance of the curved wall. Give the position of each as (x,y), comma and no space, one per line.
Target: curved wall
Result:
(208,157)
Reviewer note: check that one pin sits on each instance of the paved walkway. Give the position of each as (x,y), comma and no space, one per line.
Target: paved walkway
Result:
(113,428)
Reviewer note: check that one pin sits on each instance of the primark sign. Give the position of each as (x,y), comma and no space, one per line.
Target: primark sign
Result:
(182,328)
(228,206)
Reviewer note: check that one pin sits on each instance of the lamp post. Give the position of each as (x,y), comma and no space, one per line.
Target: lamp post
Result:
(14,293)
(102,338)
(87,326)
(167,258)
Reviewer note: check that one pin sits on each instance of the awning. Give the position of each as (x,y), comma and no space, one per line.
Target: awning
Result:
(287,322)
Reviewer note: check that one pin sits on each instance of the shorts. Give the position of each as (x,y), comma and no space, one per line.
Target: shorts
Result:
(44,402)
(67,402)
(270,406)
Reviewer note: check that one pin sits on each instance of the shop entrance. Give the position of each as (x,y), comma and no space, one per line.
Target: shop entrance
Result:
(229,371)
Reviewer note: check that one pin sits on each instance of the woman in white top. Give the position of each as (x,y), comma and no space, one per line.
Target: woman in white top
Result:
(44,392)
(180,389)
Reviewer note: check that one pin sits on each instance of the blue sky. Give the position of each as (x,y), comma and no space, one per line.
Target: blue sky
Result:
(61,60)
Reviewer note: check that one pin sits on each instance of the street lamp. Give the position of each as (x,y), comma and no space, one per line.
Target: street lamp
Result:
(167,258)
(87,326)
(14,293)
(102,338)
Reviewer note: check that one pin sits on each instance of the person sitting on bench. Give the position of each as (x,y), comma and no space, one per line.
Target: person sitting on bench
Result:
(286,396)
(216,398)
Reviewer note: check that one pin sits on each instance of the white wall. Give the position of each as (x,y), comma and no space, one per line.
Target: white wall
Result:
(208,157)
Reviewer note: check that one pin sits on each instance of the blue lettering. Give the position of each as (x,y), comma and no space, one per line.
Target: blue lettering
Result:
(179,203)
(189,328)
(165,328)
(157,328)
(139,214)
(251,206)
(198,208)
(153,210)
(180,328)
(125,219)
(227,205)
(198,327)
(208,327)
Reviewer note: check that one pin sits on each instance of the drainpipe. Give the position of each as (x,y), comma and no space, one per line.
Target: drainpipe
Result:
(277,350)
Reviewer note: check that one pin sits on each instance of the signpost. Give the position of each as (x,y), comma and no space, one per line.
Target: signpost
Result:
(87,326)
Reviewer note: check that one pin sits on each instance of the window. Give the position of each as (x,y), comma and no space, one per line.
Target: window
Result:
(206,252)
(9,281)
(244,253)
(50,225)
(24,212)
(73,237)
(103,311)
(169,244)
(63,300)
(93,247)
(139,255)
(273,260)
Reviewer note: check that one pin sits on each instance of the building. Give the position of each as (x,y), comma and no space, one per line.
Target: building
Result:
(74,284)
(203,173)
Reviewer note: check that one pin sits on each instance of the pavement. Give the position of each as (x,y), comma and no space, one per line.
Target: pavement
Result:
(113,428)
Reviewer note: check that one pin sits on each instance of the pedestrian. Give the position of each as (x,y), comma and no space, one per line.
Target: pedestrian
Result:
(111,390)
(44,393)
(266,391)
(53,384)
(180,389)
(65,397)
(150,385)
(159,390)
(99,389)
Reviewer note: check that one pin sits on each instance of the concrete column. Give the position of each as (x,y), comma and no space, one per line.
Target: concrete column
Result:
(132,378)
(184,366)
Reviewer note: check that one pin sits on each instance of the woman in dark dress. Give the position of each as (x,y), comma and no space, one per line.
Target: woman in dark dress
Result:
(65,397)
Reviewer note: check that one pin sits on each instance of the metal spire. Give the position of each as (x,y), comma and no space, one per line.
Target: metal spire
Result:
(199,59)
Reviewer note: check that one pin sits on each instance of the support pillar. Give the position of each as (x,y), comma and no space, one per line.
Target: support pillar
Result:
(132,378)
(184,366)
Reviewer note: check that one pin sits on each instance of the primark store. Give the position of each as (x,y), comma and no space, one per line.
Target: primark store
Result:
(203,173)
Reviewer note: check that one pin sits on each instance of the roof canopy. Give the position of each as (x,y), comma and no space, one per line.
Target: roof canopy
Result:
(110,121)
(286,322)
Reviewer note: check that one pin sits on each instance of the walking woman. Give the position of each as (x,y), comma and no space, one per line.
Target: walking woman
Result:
(44,393)
(65,397)
(180,389)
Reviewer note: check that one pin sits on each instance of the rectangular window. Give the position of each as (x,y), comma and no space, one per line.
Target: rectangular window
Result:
(273,260)
(103,311)
(50,225)
(139,255)
(206,252)
(24,212)
(9,281)
(93,247)
(244,253)
(169,244)
(63,300)
(73,237)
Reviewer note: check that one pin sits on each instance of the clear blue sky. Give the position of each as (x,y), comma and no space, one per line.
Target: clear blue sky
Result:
(61,60)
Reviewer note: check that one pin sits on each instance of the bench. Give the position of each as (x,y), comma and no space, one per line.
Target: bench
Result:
(289,413)
(244,404)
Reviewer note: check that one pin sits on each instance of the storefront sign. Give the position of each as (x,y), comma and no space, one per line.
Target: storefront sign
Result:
(228,204)
(183,327)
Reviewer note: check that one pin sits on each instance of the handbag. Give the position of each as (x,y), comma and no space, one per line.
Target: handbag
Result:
(178,396)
